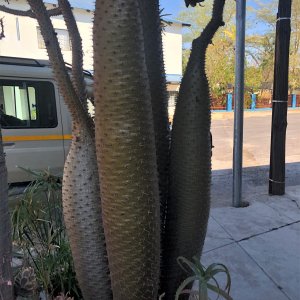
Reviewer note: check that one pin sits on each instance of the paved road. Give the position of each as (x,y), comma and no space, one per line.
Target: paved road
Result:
(257,132)
(257,136)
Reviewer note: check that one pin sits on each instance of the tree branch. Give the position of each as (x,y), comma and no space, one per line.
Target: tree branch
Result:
(79,114)
(216,21)
(29,13)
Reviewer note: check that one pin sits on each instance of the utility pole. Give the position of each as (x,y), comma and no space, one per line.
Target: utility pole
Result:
(239,102)
(280,98)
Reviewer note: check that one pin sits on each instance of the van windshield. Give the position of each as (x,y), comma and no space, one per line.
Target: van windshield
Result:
(27,104)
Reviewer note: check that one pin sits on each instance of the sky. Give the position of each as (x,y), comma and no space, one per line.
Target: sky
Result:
(174,6)
(171,7)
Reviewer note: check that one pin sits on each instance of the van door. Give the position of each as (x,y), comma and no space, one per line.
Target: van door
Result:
(32,131)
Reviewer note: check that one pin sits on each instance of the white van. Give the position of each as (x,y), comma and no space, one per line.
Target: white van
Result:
(35,121)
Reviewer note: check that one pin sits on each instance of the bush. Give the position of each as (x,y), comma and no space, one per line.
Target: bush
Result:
(39,234)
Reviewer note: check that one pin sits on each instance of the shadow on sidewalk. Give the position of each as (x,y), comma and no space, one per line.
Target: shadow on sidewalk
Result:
(255,183)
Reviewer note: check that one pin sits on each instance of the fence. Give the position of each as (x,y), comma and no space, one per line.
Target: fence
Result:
(226,102)
(252,102)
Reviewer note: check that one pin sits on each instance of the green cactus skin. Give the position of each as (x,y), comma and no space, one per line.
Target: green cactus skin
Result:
(81,193)
(126,147)
(155,66)
(6,286)
(190,167)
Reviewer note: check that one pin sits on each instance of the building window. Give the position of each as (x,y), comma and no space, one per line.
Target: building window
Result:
(27,104)
(62,36)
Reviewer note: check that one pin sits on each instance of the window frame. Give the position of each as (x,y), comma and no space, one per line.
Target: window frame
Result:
(28,83)
(41,42)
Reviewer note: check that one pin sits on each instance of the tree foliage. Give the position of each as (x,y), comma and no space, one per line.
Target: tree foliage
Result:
(260,44)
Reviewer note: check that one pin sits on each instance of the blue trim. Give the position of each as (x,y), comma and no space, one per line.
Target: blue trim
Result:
(229,102)
(249,109)
(253,101)
(294,101)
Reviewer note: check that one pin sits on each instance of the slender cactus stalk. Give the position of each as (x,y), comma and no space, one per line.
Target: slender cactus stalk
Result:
(66,88)
(6,282)
(188,209)
(159,98)
(81,191)
(28,13)
(126,151)
(77,53)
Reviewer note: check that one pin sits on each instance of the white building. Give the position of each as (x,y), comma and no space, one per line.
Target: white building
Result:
(22,38)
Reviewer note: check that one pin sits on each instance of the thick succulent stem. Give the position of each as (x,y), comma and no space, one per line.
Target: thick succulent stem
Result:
(155,66)
(82,214)
(81,192)
(6,281)
(126,151)
(188,209)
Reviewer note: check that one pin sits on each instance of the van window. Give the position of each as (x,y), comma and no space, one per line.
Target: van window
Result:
(27,104)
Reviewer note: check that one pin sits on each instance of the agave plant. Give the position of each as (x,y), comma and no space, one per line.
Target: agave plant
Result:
(205,278)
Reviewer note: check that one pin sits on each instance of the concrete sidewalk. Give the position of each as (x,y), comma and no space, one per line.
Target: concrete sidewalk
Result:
(260,244)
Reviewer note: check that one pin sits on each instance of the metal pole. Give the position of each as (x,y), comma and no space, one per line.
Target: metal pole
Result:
(239,102)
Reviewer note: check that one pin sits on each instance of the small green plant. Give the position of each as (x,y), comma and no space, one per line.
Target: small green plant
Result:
(39,234)
(205,278)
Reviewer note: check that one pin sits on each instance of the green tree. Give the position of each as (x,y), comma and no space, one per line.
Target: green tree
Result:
(263,42)
(260,44)
(220,53)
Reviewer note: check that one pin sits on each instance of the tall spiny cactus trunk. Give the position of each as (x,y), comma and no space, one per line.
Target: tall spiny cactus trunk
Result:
(155,66)
(188,209)
(126,151)
(81,194)
(83,219)
(6,291)
(77,53)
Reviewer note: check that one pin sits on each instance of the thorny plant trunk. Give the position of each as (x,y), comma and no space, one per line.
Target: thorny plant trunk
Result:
(152,31)
(190,168)
(6,290)
(81,193)
(132,149)
(126,147)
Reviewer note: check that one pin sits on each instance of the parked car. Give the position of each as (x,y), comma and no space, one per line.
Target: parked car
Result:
(35,121)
